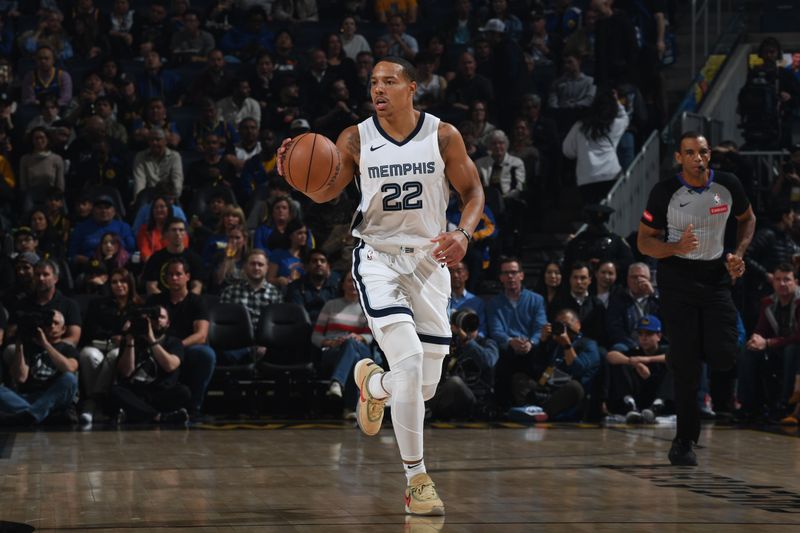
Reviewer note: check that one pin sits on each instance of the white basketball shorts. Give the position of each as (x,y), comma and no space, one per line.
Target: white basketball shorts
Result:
(404,284)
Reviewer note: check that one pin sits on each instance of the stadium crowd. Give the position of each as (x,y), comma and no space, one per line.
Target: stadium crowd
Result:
(139,194)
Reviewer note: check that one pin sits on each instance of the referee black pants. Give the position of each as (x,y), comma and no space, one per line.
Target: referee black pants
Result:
(700,324)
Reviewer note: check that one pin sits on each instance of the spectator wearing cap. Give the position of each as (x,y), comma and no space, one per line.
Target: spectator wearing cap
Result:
(19,285)
(95,278)
(573,89)
(156,164)
(640,373)
(239,106)
(401,44)
(41,167)
(45,80)
(88,234)
(512,25)
(25,240)
(627,307)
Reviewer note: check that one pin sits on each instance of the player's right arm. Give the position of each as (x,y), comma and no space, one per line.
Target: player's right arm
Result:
(349,147)
(651,242)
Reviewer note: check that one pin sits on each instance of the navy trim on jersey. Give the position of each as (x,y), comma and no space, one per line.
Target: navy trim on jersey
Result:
(374,313)
(679,175)
(359,218)
(410,135)
(434,339)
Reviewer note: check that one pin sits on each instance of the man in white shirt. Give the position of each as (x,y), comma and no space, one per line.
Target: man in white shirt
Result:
(157,163)
(239,106)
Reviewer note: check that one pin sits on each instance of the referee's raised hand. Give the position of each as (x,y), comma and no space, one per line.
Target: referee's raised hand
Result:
(688,241)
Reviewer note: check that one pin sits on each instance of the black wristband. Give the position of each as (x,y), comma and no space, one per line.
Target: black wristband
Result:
(466,234)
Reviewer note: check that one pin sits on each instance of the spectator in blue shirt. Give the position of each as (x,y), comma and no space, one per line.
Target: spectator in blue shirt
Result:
(156,82)
(515,319)
(88,234)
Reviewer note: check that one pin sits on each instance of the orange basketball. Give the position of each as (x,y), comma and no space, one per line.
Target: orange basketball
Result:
(312,161)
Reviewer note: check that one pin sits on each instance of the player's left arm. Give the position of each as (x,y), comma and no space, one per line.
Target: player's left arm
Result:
(463,176)
(745,227)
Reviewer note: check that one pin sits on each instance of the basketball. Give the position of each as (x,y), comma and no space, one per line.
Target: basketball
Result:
(311,162)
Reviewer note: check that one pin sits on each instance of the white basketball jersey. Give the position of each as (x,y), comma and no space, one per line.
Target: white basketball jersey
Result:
(404,191)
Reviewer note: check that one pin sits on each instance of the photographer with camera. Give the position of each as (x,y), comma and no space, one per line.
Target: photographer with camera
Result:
(43,369)
(467,385)
(45,298)
(148,368)
(564,367)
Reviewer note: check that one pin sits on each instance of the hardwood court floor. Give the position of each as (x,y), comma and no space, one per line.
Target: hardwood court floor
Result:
(334,479)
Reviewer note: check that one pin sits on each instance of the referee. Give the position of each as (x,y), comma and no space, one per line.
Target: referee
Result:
(684,227)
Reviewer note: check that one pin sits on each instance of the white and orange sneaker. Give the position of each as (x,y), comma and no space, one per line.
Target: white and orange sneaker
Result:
(421,497)
(369,410)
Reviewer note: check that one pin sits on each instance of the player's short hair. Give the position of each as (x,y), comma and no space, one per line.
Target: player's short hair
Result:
(785,267)
(409,70)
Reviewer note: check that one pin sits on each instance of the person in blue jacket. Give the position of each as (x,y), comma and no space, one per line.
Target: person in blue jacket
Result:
(87,235)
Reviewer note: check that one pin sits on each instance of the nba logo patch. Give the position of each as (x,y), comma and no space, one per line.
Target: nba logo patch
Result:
(369,255)
(717,199)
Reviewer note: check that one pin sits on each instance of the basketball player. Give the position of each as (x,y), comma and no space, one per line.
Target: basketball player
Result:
(403,160)
(684,227)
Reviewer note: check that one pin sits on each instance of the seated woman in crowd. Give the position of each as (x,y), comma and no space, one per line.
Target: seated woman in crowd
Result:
(228,263)
(41,167)
(343,335)
(272,232)
(232,217)
(150,238)
(549,283)
(111,252)
(50,243)
(102,335)
(286,260)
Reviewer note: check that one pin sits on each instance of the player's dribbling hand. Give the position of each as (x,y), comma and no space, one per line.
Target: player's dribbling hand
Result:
(688,241)
(451,247)
(281,154)
(735,266)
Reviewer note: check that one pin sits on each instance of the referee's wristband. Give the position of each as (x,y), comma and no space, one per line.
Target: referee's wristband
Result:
(466,234)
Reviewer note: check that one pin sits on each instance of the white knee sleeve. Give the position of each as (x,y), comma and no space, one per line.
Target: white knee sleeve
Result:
(431,374)
(398,341)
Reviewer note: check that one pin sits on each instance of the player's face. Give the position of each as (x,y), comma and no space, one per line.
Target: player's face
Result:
(391,90)
(694,157)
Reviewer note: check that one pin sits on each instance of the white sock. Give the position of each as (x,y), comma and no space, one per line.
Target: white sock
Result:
(377,389)
(414,469)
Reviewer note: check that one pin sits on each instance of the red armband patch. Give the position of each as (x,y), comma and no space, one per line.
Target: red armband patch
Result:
(647,216)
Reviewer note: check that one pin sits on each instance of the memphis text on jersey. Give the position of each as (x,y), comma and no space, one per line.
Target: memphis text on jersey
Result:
(401,169)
